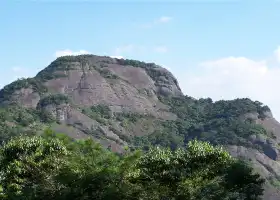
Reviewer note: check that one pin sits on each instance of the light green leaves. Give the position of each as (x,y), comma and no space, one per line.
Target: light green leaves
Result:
(28,161)
(58,168)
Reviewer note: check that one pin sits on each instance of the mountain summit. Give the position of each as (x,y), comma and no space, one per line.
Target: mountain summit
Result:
(123,103)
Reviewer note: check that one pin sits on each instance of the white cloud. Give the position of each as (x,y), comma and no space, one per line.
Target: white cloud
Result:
(68,52)
(118,57)
(234,77)
(161,49)
(164,19)
(277,54)
(160,20)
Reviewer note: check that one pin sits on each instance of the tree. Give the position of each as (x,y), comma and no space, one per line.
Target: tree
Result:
(28,165)
(199,172)
(90,173)
(59,168)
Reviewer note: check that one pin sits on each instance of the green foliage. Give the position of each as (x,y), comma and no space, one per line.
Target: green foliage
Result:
(56,167)
(63,64)
(106,73)
(166,136)
(237,107)
(100,113)
(26,117)
(16,120)
(274,181)
(7,131)
(94,112)
(54,99)
(220,123)
(247,185)
(151,68)
(198,173)
(56,68)
(129,116)
(19,115)
(8,90)
(46,117)
(136,63)
(27,163)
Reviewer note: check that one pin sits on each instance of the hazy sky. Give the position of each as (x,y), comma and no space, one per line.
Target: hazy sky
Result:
(220,49)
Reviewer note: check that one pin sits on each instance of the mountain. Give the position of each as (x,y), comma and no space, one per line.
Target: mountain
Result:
(124,103)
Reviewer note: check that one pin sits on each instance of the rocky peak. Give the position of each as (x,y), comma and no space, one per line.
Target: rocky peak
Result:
(114,68)
(124,85)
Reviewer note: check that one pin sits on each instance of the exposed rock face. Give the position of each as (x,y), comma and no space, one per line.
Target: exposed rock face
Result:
(270,145)
(266,166)
(26,97)
(101,80)
(60,112)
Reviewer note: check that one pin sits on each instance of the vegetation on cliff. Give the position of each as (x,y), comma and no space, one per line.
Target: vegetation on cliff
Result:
(54,99)
(24,83)
(220,123)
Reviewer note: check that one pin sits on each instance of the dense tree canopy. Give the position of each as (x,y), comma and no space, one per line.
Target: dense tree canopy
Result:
(54,166)
(220,123)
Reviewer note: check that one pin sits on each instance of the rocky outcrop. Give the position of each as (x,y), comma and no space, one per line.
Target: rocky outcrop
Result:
(269,146)
(102,80)
(60,112)
(268,168)
(263,164)
(26,97)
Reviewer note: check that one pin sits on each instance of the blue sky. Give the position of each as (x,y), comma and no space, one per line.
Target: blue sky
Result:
(221,49)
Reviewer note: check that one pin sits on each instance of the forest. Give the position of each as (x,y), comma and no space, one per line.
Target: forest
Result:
(54,166)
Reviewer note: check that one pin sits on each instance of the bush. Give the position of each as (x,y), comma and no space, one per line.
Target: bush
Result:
(54,99)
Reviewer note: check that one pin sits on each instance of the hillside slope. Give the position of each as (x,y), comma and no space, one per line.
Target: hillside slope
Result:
(131,103)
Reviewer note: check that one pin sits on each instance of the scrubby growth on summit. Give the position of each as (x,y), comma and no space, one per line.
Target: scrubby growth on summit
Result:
(218,122)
